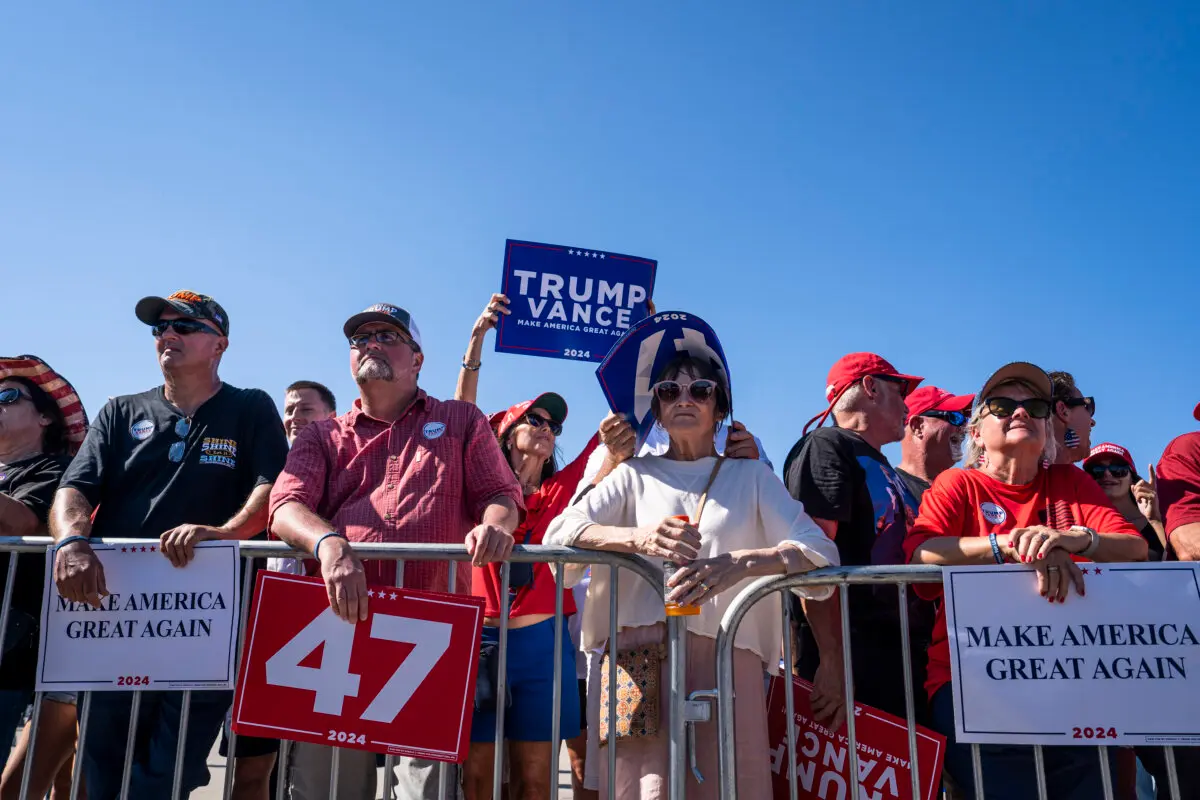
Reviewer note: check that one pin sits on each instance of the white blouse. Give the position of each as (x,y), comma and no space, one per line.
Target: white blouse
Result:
(748,508)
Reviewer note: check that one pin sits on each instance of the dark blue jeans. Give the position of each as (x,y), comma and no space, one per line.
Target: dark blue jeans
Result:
(154,744)
(1072,773)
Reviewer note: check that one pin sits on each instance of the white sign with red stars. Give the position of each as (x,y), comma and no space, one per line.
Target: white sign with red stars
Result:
(159,627)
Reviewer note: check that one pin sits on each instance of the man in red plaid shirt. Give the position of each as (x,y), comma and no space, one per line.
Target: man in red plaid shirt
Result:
(400,466)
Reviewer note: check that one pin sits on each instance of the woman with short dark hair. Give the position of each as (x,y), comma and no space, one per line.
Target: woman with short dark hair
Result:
(1111,466)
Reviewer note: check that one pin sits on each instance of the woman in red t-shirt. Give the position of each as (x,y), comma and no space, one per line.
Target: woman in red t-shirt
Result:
(1009,506)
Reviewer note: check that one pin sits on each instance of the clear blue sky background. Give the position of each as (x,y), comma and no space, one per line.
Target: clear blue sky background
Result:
(953,185)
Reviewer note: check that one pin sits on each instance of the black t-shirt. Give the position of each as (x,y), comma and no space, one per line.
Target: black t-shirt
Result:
(235,443)
(916,486)
(31,481)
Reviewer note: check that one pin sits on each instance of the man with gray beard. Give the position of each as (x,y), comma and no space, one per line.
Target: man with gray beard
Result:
(934,434)
(400,466)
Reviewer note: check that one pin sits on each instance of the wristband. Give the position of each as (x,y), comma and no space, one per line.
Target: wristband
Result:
(996,554)
(72,540)
(472,364)
(324,536)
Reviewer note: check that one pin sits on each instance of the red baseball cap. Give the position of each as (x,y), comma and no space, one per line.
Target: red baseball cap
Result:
(1110,449)
(849,370)
(1196,411)
(931,398)
(552,403)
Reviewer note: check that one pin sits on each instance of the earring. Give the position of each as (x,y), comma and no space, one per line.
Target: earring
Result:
(1071,438)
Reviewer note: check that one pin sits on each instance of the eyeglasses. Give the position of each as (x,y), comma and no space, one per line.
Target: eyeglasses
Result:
(1005,407)
(1116,470)
(537,422)
(955,418)
(184,327)
(1087,402)
(670,391)
(12,396)
(178,449)
(385,337)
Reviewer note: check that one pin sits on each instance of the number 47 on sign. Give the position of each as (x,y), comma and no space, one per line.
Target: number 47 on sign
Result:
(402,681)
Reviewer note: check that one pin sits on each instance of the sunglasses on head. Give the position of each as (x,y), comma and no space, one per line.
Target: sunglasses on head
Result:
(1088,403)
(383,337)
(670,391)
(184,327)
(536,421)
(1116,470)
(955,418)
(10,396)
(1005,407)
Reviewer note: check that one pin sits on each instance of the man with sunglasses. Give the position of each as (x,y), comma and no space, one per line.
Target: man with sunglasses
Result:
(400,466)
(1074,418)
(934,435)
(849,489)
(188,461)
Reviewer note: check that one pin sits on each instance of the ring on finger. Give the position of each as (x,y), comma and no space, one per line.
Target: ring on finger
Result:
(1052,568)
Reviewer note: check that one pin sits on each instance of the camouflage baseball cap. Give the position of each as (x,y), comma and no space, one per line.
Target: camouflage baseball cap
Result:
(193,306)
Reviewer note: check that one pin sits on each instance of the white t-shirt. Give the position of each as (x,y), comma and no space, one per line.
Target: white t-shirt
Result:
(748,508)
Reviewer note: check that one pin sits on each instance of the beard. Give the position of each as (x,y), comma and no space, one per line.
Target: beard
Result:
(957,450)
(374,369)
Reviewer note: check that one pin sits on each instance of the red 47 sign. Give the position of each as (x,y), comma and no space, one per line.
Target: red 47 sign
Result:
(401,682)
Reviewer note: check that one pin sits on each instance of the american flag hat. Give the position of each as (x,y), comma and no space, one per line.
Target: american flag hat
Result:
(57,387)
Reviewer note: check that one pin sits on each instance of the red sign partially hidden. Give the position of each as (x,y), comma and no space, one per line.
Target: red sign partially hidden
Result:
(822,761)
(401,682)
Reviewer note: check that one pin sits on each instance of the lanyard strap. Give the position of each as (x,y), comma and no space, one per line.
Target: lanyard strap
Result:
(704,495)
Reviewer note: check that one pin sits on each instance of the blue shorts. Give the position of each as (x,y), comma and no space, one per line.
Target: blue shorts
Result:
(530,687)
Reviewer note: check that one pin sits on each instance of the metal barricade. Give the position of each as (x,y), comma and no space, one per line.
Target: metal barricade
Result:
(842,578)
(401,553)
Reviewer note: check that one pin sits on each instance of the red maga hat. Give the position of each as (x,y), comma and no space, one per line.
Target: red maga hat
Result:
(1110,449)
(931,398)
(850,369)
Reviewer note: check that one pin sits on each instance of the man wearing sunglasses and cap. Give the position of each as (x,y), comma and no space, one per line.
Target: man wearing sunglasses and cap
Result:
(849,489)
(934,435)
(189,461)
(400,466)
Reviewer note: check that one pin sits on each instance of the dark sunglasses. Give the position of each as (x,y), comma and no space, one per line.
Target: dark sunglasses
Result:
(1087,402)
(1116,470)
(1005,407)
(11,396)
(184,327)
(955,418)
(383,337)
(670,391)
(537,422)
(176,452)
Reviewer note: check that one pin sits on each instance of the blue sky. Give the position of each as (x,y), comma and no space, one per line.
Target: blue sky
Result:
(952,185)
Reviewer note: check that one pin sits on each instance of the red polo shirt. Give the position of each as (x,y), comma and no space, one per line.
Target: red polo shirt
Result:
(551,498)
(427,477)
(969,502)
(1179,482)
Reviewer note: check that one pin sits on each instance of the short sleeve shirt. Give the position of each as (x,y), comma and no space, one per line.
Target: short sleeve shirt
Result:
(32,482)
(234,443)
(969,502)
(1179,482)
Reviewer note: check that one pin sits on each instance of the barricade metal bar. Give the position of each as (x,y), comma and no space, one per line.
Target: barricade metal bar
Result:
(85,712)
(185,710)
(29,750)
(1172,773)
(445,770)
(335,768)
(977,771)
(131,734)
(557,691)
(910,706)
(1105,774)
(848,678)
(389,761)
(501,683)
(1039,766)
(247,564)
(285,769)
(788,701)
(676,719)
(613,575)
(9,581)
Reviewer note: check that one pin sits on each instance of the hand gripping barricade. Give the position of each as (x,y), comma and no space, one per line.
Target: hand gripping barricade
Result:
(843,578)
(400,553)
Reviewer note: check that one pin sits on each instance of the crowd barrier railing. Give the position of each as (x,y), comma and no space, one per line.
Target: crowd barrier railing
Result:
(901,576)
(400,553)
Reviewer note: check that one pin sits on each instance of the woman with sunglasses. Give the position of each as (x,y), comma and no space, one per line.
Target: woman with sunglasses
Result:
(1111,466)
(1074,416)
(1009,506)
(725,521)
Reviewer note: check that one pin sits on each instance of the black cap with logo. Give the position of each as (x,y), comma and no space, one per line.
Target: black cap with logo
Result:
(193,306)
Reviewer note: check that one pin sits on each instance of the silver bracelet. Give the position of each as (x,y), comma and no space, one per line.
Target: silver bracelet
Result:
(1093,543)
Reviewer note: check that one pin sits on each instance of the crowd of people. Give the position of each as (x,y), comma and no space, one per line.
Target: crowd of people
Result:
(984,477)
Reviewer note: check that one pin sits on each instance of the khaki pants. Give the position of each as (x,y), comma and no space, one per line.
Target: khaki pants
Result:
(311,766)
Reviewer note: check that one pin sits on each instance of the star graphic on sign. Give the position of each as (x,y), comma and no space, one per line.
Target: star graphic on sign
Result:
(143,549)
(1096,570)
(1083,570)
(394,595)
(124,549)
(370,592)
(151,549)
(570,252)
(602,256)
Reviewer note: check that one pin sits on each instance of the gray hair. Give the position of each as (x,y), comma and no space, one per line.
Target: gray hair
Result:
(849,399)
(975,453)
